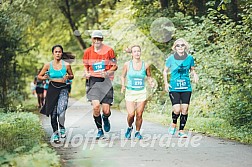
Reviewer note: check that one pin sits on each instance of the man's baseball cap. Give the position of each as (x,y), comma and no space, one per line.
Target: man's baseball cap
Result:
(97,34)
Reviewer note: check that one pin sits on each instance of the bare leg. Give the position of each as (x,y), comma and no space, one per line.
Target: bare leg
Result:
(130,106)
(139,114)
(96,107)
(106,109)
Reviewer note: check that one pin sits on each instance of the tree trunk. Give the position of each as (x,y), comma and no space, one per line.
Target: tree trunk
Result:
(200,7)
(3,81)
(175,6)
(233,12)
(164,4)
(96,20)
(67,13)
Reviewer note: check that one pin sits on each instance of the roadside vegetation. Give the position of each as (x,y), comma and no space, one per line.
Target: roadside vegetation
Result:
(22,140)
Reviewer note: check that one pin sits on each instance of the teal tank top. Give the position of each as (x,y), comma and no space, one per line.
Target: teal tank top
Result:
(136,78)
(57,74)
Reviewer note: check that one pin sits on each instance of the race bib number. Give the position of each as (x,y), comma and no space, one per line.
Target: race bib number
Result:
(137,82)
(99,66)
(181,84)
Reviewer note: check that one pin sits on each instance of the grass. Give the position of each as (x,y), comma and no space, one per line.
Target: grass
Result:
(210,126)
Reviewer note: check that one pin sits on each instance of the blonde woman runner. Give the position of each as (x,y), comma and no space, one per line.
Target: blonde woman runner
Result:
(180,65)
(133,83)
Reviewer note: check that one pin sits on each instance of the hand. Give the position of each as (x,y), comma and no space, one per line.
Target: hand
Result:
(86,75)
(65,78)
(152,84)
(195,78)
(104,74)
(123,89)
(45,77)
(167,87)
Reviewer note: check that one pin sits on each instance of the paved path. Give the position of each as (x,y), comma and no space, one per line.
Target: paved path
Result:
(80,149)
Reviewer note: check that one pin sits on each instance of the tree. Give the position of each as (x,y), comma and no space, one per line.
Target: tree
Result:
(164,4)
(9,44)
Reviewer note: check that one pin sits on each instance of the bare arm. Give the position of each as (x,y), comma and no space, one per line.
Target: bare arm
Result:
(69,72)
(124,73)
(112,62)
(149,78)
(112,69)
(41,75)
(195,76)
(86,65)
(165,73)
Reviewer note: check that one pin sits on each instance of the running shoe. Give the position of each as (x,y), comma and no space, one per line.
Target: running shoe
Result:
(138,136)
(100,134)
(62,133)
(106,125)
(56,138)
(172,130)
(182,135)
(128,133)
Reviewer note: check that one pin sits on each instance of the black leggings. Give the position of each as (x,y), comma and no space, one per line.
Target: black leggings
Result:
(58,114)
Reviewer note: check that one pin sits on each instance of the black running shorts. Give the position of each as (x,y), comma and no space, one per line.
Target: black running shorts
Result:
(180,97)
(100,89)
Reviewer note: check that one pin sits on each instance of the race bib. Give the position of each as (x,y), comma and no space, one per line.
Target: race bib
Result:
(99,66)
(181,84)
(137,82)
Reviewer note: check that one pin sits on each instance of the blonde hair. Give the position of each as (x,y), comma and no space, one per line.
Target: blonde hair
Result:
(183,41)
(134,47)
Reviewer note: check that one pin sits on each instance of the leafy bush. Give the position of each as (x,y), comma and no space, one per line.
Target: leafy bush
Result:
(19,129)
(38,156)
(239,110)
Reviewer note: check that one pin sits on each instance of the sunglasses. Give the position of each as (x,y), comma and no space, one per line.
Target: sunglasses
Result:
(98,39)
(180,45)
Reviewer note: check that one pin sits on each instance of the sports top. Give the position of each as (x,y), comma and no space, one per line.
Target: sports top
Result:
(95,62)
(179,73)
(57,74)
(136,78)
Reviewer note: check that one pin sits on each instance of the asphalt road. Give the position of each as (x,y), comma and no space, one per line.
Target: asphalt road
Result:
(80,149)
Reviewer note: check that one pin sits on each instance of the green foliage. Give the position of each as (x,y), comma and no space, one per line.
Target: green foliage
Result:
(158,102)
(9,42)
(239,110)
(21,141)
(19,129)
(221,128)
(15,65)
(118,96)
(38,156)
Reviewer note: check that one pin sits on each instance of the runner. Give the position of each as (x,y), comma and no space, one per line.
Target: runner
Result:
(134,74)
(39,90)
(56,101)
(180,64)
(99,67)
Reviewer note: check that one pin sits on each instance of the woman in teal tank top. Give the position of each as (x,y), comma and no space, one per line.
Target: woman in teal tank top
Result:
(134,75)
(58,72)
